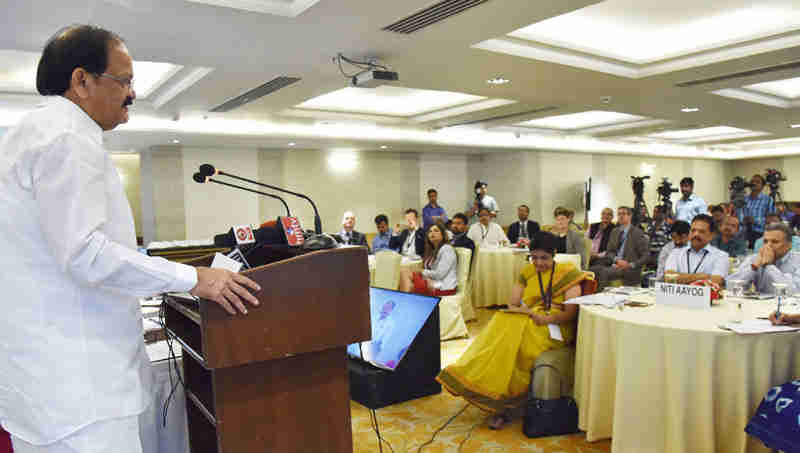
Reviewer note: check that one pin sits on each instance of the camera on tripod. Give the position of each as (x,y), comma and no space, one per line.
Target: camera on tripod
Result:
(665,191)
(736,190)
(639,217)
(774,177)
(638,185)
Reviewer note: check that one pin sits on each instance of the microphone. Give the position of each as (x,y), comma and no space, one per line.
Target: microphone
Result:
(202,178)
(264,235)
(209,170)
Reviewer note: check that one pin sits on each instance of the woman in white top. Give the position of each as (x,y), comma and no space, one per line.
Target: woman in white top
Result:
(439,278)
(486,233)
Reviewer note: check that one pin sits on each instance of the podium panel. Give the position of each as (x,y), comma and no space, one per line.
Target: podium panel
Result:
(276,379)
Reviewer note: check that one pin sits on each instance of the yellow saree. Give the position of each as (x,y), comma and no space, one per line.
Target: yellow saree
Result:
(494,372)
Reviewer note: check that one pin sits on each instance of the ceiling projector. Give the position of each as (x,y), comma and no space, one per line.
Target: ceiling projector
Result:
(373,78)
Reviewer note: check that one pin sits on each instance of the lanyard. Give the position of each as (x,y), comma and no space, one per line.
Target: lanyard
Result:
(705,252)
(547,298)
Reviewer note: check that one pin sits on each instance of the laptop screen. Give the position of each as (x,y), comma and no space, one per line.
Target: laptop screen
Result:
(397,318)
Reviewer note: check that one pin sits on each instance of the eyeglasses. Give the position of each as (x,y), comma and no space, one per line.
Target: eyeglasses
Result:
(127,82)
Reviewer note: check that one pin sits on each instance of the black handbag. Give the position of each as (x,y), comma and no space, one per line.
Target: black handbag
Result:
(554,417)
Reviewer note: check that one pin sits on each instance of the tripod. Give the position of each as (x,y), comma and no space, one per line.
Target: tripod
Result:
(638,204)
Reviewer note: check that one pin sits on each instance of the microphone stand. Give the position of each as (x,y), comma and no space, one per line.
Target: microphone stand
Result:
(317,220)
(254,191)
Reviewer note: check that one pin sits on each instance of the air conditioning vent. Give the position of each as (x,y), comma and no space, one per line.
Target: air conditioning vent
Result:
(260,91)
(505,117)
(432,15)
(737,75)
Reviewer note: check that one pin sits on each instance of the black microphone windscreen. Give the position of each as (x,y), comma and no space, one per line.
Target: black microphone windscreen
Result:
(207,170)
(199,178)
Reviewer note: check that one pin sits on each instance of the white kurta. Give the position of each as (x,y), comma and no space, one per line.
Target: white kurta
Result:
(71,344)
(490,236)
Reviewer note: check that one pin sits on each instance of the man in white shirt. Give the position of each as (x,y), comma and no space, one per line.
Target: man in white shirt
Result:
(486,233)
(75,373)
(690,204)
(773,263)
(701,260)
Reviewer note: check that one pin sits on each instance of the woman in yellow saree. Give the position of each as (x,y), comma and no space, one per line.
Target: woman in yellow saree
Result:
(494,372)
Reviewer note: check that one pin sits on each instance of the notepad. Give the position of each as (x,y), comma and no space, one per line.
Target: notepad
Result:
(756,326)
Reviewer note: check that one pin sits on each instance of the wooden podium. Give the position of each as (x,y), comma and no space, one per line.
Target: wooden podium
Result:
(276,380)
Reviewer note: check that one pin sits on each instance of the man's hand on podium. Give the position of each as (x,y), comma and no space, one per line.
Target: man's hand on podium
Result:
(226,288)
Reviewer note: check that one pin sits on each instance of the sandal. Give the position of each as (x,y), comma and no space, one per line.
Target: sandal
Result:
(499,421)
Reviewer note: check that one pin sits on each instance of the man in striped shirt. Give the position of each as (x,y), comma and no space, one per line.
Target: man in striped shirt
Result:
(756,207)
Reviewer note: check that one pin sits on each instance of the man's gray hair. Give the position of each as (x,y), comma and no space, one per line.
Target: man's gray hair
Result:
(787,233)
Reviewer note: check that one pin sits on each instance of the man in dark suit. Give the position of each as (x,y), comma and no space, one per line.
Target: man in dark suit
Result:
(524,228)
(460,239)
(411,241)
(348,235)
(628,251)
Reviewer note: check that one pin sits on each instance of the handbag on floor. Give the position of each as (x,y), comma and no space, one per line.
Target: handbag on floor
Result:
(553,417)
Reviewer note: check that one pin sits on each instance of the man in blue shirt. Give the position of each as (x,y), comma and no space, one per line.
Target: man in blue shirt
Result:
(432,211)
(381,241)
(756,207)
(773,263)
(690,204)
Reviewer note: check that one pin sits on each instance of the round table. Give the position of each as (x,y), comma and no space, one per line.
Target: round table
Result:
(667,379)
(494,273)
(405,263)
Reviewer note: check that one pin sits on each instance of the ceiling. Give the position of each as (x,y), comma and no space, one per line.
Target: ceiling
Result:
(642,60)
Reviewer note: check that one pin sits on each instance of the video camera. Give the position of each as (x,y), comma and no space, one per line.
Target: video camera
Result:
(774,177)
(665,191)
(638,185)
(736,190)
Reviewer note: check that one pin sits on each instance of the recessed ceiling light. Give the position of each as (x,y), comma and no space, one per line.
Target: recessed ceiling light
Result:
(498,81)
(384,146)
(176,141)
(292,143)
(795,126)
(690,109)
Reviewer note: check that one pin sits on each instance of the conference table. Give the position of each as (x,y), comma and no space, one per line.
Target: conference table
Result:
(667,379)
(494,272)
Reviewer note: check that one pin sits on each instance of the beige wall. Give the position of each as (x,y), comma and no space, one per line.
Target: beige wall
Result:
(129,172)
(386,182)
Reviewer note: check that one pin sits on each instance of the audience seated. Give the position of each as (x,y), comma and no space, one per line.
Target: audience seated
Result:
(567,239)
(348,235)
(459,229)
(494,372)
(718,214)
(600,232)
(795,222)
(701,260)
(628,251)
(411,241)
(728,239)
(523,228)
(439,277)
(381,241)
(773,263)
(487,233)
(432,211)
(680,238)
(572,224)
(773,217)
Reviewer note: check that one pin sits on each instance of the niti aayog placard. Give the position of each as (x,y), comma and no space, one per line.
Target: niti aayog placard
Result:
(687,296)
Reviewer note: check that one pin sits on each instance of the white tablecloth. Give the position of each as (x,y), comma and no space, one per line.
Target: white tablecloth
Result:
(405,263)
(667,379)
(494,273)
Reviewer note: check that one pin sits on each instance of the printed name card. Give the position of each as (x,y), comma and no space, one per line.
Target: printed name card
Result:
(687,296)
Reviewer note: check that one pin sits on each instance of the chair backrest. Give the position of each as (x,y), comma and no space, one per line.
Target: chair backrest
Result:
(588,285)
(573,258)
(370,237)
(387,269)
(464,257)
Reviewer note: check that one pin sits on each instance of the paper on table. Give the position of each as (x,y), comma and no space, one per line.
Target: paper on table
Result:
(606,299)
(223,262)
(555,332)
(754,326)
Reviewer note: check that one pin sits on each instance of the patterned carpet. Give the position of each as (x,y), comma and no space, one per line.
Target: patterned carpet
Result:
(406,426)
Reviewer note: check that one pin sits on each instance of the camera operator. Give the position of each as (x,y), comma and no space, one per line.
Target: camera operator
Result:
(756,207)
(659,233)
(482,200)
(690,204)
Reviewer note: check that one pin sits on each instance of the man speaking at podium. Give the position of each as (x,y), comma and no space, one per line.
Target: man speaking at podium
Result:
(75,373)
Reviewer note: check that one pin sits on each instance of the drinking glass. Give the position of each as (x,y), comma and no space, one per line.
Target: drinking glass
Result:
(651,283)
(735,290)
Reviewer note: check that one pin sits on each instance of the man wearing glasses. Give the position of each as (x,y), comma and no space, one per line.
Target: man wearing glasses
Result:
(76,374)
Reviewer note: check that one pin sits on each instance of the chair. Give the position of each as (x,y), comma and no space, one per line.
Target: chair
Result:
(573,258)
(547,384)
(453,310)
(387,269)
